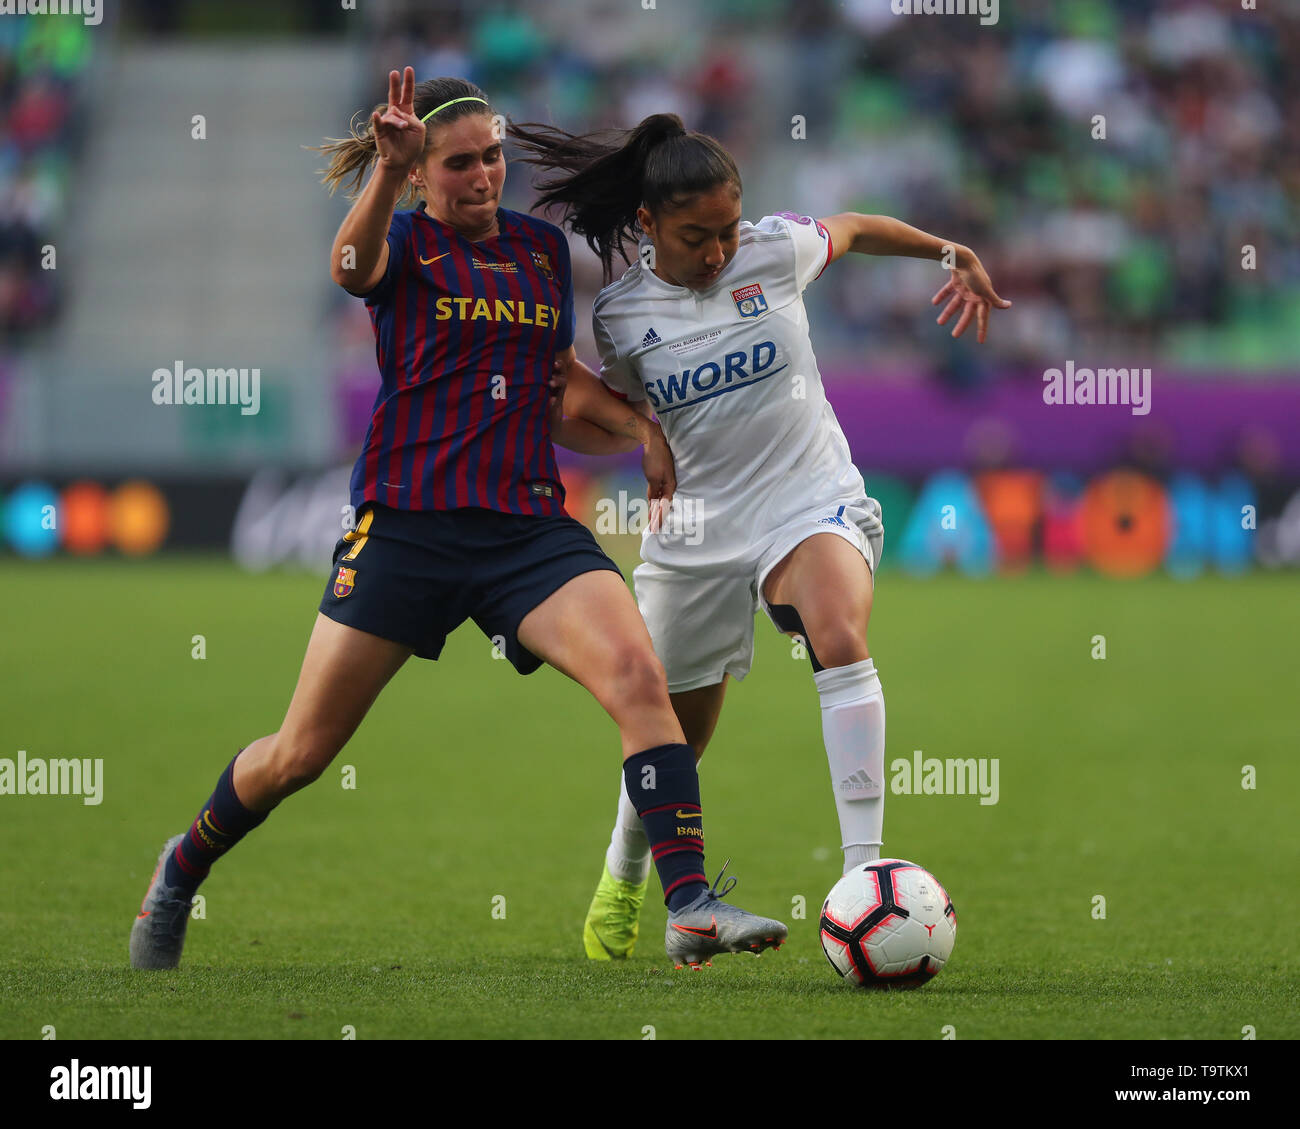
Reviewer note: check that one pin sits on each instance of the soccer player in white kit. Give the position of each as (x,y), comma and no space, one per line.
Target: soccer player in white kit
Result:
(707,330)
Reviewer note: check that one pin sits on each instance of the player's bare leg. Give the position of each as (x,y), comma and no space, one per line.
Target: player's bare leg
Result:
(342,673)
(698,711)
(827,580)
(591,630)
(827,583)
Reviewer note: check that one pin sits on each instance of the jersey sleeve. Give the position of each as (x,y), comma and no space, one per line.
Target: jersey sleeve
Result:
(812,245)
(399,242)
(615,371)
(567,326)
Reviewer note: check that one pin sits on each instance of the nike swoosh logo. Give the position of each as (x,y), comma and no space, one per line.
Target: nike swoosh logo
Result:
(687,814)
(711,932)
(426,262)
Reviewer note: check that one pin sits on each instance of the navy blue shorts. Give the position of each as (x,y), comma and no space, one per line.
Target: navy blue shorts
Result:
(414,576)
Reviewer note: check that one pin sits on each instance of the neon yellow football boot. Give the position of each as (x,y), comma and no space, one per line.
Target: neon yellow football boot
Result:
(613,919)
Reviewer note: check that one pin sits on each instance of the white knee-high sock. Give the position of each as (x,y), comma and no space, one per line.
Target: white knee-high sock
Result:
(628,856)
(853,727)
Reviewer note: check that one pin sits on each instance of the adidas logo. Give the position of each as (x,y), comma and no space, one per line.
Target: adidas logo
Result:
(651,338)
(858,782)
(836,519)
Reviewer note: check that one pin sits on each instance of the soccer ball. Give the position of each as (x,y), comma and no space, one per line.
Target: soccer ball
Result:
(888,924)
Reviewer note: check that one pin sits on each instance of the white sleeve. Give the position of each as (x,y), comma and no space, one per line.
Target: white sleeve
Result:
(812,245)
(615,371)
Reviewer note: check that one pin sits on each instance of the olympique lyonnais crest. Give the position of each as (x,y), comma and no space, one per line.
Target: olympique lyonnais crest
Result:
(750,301)
(543,264)
(343,583)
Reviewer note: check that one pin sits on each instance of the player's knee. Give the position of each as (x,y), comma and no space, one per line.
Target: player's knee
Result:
(636,676)
(840,645)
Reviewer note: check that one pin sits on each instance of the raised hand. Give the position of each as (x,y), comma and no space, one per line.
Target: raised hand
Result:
(969,288)
(399,134)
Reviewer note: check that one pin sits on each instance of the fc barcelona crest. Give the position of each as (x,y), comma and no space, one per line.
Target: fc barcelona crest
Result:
(750,301)
(543,263)
(344,582)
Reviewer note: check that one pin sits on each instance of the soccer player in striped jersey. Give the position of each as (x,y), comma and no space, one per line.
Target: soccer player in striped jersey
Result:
(708,331)
(460,509)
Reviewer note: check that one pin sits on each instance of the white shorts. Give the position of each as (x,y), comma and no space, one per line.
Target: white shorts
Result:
(702,626)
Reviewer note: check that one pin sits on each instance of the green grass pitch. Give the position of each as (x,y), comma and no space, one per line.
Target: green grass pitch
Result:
(372,908)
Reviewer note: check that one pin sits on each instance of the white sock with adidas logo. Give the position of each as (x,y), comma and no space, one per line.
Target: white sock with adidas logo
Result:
(853,727)
(628,855)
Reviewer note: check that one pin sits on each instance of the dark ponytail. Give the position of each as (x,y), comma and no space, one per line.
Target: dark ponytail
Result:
(659,163)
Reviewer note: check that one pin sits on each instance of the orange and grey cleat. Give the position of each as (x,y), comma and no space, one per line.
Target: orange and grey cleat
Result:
(158,934)
(709,926)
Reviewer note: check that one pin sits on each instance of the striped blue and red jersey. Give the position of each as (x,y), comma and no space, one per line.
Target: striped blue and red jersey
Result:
(466,335)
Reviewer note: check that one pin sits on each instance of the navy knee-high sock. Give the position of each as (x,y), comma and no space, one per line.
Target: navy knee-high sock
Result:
(220,824)
(665,790)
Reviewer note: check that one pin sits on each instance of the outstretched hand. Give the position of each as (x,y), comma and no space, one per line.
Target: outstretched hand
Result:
(970,290)
(399,134)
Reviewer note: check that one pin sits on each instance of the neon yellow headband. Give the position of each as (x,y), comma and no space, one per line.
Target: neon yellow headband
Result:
(467,98)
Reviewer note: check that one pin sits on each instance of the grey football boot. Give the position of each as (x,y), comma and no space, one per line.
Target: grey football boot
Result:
(158,934)
(709,926)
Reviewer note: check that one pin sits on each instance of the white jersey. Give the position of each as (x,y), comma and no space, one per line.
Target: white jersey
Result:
(731,375)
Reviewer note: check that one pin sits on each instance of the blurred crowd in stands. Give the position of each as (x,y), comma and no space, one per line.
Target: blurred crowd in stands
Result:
(42,66)
(1109,160)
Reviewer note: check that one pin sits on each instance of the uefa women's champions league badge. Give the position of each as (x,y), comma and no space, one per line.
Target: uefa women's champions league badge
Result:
(750,301)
